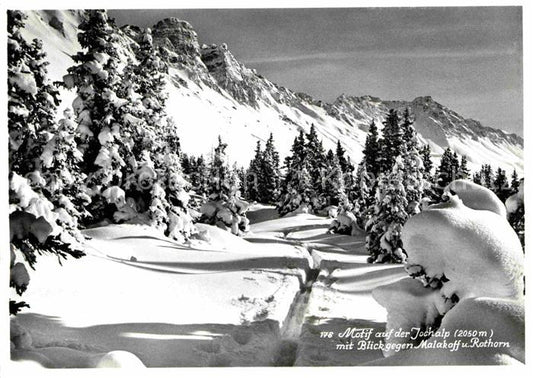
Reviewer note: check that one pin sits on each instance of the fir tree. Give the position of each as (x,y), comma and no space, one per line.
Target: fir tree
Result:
(515,182)
(447,170)
(371,151)
(476,178)
(425,154)
(463,172)
(296,187)
(346,167)
(254,176)
(224,208)
(36,224)
(487,176)
(317,166)
(362,194)
(501,185)
(270,173)
(391,143)
(334,190)
(103,118)
(389,214)
(398,197)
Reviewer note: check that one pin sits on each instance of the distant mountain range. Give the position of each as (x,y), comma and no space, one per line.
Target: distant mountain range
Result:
(211,93)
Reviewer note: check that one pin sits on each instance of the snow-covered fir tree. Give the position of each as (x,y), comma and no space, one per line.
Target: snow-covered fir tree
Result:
(389,214)
(346,167)
(515,182)
(412,167)
(425,154)
(500,185)
(372,152)
(487,176)
(362,194)
(296,187)
(104,123)
(390,143)
(168,208)
(463,172)
(334,190)
(254,177)
(447,170)
(130,147)
(399,196)
(224,208)
(270,170)
(37,224)
(317,167)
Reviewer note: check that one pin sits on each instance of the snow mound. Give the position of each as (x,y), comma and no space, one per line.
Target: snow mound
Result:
(120,359)
(409,305)
(504,342)
(476,196)
(473,253)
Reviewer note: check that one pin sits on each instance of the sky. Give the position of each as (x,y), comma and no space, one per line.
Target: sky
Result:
(467,58)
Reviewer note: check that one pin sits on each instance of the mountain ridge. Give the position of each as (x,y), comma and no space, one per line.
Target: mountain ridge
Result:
(211,93)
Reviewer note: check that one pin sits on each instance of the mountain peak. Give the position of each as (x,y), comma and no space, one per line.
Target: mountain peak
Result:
(423,99)
(177,35)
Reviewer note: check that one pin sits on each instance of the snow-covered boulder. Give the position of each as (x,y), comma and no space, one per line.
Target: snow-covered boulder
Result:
(476,197)
(473,253)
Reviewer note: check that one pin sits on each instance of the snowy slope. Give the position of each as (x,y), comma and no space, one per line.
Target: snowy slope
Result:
(211,94)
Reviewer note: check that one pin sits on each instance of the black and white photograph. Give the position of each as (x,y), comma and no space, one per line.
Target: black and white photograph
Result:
(263,187)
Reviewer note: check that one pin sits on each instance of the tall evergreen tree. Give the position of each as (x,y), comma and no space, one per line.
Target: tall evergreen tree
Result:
(254,176)
(362,194)
(392,141)
(487,176)
(296,187)
(501,185)
(224,207)
(463,172)
(270,173)
(425,154)
(515,182)
(317,166)
(334,191)
(447,170)
(476,178)
(398,197)
(38,220)
(104,122)
(371,151)
(346,167)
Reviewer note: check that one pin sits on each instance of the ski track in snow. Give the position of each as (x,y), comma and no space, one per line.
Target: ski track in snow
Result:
(258,301)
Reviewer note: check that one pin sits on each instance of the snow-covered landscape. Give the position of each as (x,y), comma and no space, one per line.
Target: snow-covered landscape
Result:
(170,207)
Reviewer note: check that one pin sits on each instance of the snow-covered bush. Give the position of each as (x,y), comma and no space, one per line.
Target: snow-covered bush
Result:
(224,207)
